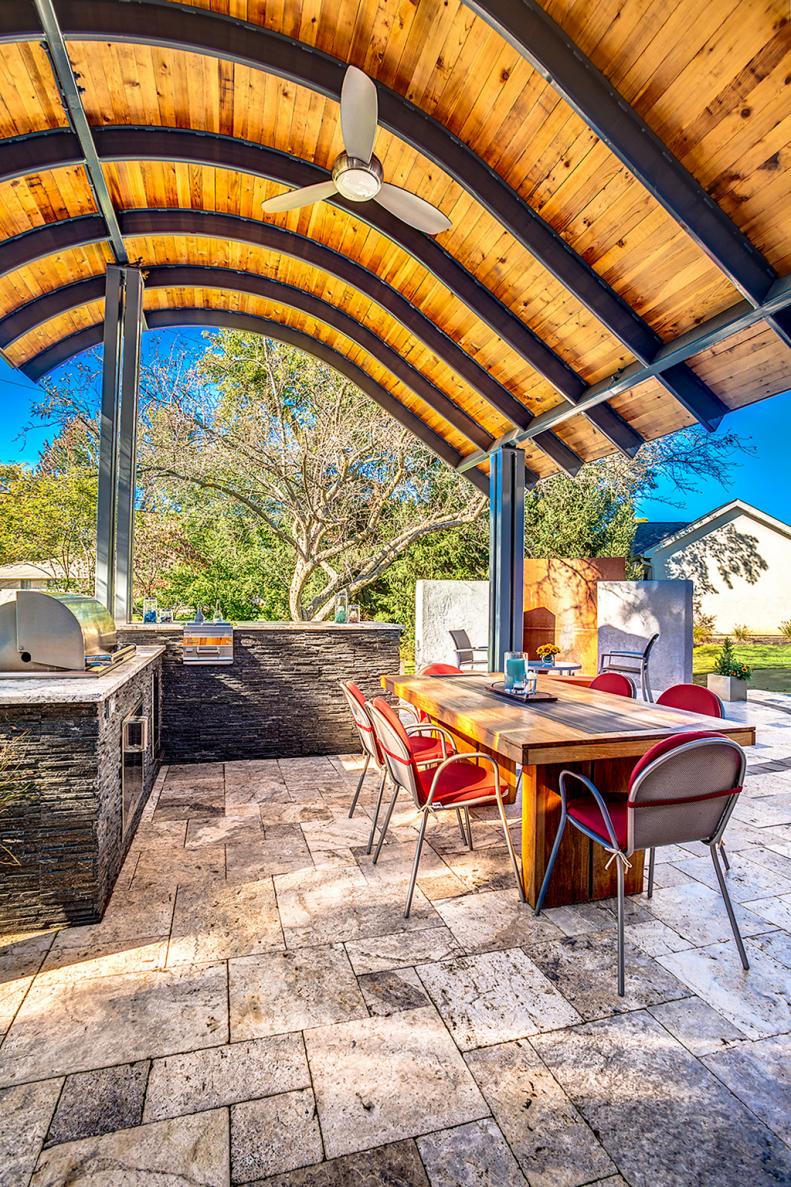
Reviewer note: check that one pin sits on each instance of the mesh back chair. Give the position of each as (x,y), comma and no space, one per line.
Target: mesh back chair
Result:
(614,683)
(429,744)
(465,652)
(459,783)
(684,789)
(632,663)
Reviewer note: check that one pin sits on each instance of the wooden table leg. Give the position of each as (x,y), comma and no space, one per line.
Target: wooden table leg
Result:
(579,875)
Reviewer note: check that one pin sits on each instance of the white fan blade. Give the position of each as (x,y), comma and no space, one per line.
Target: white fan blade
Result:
(293,199)
(359,113)
(413,210)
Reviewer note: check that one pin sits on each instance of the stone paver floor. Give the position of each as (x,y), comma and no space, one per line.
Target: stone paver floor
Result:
(255,1009)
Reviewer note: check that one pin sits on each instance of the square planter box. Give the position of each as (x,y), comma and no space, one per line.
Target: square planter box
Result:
(727,688)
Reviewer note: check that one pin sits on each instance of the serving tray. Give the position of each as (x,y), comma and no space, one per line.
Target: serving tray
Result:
(521,698)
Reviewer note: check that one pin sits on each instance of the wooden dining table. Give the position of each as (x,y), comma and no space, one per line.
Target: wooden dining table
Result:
(595,733)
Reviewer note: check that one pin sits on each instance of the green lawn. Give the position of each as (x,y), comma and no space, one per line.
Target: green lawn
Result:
(770,662)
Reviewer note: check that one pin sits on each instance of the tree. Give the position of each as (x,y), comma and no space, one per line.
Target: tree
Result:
(342,487)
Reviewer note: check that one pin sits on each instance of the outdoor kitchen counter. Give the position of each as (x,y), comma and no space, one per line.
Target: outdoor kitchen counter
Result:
(278,698)
(82,689)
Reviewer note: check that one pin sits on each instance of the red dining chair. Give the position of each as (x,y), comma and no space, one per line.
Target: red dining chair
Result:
(458,782)
(693,698)
(426,749)
(683,789)
(615,683)
(440,670)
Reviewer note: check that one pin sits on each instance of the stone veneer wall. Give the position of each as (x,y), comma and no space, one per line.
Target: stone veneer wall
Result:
(65,830)
(279,698)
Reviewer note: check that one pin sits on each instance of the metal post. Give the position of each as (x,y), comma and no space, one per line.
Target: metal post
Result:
(506,553)
(108,439)
(127,443)
(117,439)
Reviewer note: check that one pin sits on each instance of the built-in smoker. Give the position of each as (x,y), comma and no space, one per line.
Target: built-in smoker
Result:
(207,643)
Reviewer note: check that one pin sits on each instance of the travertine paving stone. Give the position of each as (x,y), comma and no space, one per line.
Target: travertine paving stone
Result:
(225,1075)
(635,1085)
(474,1155)
(25,1113)
(494,997)
(188,1151)
(97,1021)
(99,1102)
(697,913)
(393,990)
(20,959)
(277,1133)
(553,1144)
(758,1002)
(695,1024)
(776,911)
(494,919)
(378,1079)
(759,1074)
(403,948)
(231,919)
(395,1165)
(226,830)
(292,991)
(746,880)
(584,969)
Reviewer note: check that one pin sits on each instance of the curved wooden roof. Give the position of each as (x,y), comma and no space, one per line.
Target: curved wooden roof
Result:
(617,178)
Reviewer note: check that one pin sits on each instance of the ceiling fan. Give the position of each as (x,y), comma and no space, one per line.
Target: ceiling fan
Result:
(356,173)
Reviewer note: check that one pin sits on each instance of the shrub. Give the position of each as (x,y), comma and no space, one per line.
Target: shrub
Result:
(785,628)
(741,633)
(703,628)
(726,663)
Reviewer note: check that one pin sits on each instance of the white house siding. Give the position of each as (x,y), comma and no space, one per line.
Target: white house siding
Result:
(760,605)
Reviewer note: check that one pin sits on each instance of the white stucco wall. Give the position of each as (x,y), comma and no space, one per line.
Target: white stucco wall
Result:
(630,612)
(442,606)
(760,605)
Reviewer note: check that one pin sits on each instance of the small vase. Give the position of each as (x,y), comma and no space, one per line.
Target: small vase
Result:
(548,661)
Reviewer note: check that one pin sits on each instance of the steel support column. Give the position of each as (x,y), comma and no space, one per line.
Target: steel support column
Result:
(506,553)
(117,445)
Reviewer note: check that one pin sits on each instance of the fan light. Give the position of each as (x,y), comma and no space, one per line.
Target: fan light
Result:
(359,181)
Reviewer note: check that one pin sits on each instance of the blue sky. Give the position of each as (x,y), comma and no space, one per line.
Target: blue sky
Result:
(761,478)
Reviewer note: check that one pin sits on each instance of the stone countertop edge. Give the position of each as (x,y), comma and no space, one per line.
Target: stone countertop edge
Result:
(177,627)
(74,690)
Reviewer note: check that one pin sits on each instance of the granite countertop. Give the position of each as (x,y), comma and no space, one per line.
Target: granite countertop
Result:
(49,689)
(176,627)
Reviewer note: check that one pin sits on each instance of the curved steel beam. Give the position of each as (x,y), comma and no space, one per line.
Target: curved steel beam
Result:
(162,318)
(177,27)
(550,51)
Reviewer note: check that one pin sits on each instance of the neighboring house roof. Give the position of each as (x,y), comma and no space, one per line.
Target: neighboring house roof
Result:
(664,535)
(648,535)
(40,571)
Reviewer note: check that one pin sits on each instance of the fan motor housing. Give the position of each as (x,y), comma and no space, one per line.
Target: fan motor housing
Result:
(357,180)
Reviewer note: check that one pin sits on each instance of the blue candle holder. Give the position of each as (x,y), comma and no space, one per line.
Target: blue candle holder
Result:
(515,670)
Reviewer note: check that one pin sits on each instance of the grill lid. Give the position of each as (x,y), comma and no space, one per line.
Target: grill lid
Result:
(42,631)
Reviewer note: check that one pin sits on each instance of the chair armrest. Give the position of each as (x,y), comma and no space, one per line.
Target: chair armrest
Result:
(631,654)
(428,727)
(597,795)
(456,758)
(405,707)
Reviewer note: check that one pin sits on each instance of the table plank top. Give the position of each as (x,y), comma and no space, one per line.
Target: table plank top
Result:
(582,724)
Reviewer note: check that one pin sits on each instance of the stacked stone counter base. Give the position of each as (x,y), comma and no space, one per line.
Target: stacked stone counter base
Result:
(280,696)
(65,829)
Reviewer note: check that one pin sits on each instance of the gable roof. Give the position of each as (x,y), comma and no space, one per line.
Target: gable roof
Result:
(680,533)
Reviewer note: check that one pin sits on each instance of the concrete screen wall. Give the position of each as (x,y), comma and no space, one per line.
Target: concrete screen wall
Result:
(631,611)
(442,606)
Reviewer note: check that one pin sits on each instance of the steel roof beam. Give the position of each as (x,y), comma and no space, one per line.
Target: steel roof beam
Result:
(550,51)
(162,318)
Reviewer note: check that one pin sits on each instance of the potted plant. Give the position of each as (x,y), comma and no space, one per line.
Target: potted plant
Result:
(547,652)
(730,675)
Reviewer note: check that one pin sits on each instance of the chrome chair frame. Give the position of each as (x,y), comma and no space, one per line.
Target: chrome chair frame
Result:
(465,651)
(638,668)
(621,855)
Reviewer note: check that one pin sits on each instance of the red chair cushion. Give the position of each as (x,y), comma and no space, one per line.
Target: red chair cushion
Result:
(586,811)
(425,748)
(440,670)
(614,683)
(458,782)
(693,698)
(666,745)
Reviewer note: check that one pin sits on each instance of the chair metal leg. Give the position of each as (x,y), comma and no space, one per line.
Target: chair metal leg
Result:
(359,787)
(461,826)
(518,873)
(469,827)
(545,884)
(724,856)
(647,694)
(651,863)
(737,935)
(385,825)
(621,956)
(415,865)
(377,809)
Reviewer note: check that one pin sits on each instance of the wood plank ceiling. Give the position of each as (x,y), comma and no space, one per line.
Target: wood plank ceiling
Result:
(579,268)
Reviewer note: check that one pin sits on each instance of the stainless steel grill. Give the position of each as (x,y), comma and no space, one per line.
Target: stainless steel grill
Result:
(66,633)
(207,643)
